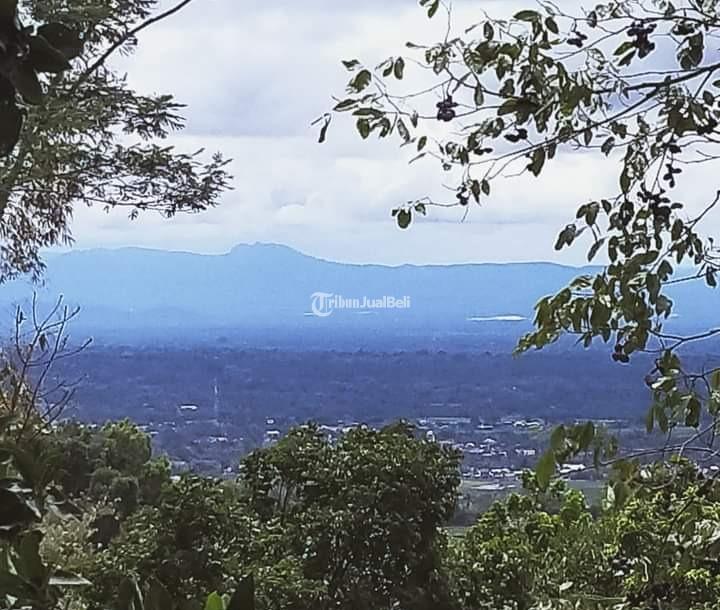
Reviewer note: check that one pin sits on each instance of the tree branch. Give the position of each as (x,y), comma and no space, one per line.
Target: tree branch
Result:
(132,33)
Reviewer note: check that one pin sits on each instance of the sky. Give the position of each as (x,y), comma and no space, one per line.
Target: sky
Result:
(255,74)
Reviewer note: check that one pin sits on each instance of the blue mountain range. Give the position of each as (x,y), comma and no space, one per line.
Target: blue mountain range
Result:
(264,285)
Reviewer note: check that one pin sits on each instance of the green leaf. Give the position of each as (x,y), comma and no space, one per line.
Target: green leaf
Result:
(157,597)
(66,40)
(663,306)
(713,404)
(650,419)
(607,146)
(537,162)
(363,127)
(625,181)
(345,105)
(214,602)
(11,122)
(403,130)
(46,58)
(625,47)
(692,412)
(16,511)
(653,285)
(595,248)
(361,81)
(715,379)
(130,596)
(244,596)
(399,68)
(507,107)
(30,565)
(621,493)
(475,190)
(404,218)
(557,438)
(545,469)
(351,64)
(527,16)
(552,25)
(27,83)
(479,96)
(368,112)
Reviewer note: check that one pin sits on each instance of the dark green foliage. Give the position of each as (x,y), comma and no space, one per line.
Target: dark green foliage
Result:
(546,549)
(358,524)
(204,532)
(319,526)
(25,52)
(113,463)
(25,496)
(364,514)
(74,133)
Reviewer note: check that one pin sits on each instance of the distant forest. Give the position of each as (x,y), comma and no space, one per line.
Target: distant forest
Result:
(370,386)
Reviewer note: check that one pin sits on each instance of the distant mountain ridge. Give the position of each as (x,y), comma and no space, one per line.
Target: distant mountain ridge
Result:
(268,284)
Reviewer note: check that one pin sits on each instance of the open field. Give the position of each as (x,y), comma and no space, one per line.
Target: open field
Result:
(477,496)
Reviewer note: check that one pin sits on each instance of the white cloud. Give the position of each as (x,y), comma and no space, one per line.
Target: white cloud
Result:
(255,73)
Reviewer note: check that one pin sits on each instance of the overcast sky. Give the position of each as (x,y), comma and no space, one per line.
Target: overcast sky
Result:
(255,73)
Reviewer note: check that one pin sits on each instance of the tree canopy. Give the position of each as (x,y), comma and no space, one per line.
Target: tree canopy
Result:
(358,524)
(75,133)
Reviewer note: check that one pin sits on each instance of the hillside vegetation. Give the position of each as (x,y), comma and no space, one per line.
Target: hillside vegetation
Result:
(90,519)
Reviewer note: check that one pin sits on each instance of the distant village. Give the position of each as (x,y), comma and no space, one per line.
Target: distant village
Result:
(207,406)
(200,439)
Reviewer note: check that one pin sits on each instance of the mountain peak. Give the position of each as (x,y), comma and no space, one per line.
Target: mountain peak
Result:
(265,249)
(270,284)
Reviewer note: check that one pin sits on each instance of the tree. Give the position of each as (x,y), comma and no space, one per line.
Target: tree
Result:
(204,533)
(632,81)
(110,464)
(318,525)
(544,549)
(24,54)
(525,550)
(84,136)
(27,395)
(31,399)
(363,515)
(26,495)
(127,447)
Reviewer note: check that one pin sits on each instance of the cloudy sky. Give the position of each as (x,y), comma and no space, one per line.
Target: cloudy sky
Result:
(255,73)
